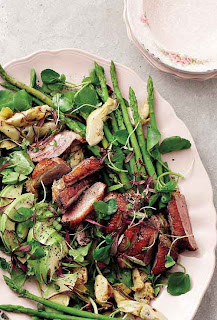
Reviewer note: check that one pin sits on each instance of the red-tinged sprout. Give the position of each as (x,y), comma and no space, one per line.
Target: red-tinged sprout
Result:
(95,223)
(129,157)
(67,237)
(101,265)
(25,248)
(4,166)
(114,247)
(59,272)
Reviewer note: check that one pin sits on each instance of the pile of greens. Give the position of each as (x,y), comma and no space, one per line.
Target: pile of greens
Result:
(32,233)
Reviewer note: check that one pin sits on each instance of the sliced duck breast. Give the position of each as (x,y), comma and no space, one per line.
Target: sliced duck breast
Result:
(82,170)
(180,223)
(55,146)
(163,250)
(84,205)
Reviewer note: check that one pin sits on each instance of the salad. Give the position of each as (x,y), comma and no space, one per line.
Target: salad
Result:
(89,209)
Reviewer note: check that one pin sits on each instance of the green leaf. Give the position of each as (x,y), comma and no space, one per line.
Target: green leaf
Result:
(125,276)
(22,214)
(11,177)
(22,100)
(4,265)
(37,253)
(173,144)
(87,95)
(121,136)
(6,99)
(178,283)
(80,253)
(22,162)
(118,158)
(50,76)
(18,277)
(102,254)
(105,209)
(169,261)
(153,139)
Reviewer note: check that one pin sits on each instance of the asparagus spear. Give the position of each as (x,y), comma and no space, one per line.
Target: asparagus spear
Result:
(72,311)
(153,134)
(103,83)
(29,89)
(140,135)
(38,314)
(126,118)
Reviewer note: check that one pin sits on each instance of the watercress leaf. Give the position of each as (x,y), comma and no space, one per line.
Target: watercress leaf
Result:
(22,100)
(108,239)
(153,139)
(79,253)
(70,95)
(102,254)
(169,261)
(118,158)
(173,144)
(4,265)
(87,95)
(6,99)
(55,87)
(22,162)
(65,104)
(50,76)
(125,276)
(121,136)
(105,209)
(112,206)
(178,283)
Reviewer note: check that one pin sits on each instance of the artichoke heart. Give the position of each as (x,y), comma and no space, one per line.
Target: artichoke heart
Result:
(21,119)
(95,122)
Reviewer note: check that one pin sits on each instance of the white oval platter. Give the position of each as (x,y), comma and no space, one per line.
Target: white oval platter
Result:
(196,187)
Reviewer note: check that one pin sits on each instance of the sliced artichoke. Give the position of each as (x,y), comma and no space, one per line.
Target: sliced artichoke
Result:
(95,122)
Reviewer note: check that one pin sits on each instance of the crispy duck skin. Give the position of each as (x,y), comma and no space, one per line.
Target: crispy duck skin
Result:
(55,146)
(47,170)
(180,223)
(70,194)
(82,170)
(163,249)
(84,206)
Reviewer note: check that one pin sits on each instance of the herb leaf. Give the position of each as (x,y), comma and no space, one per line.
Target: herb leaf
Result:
(121,136)
(79,253)
(50,76)
(4,265)
(173,144)
(22,162)
(178,283)
(105,209)
(125,276)
(169,261)
(103,254)
(22,100)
